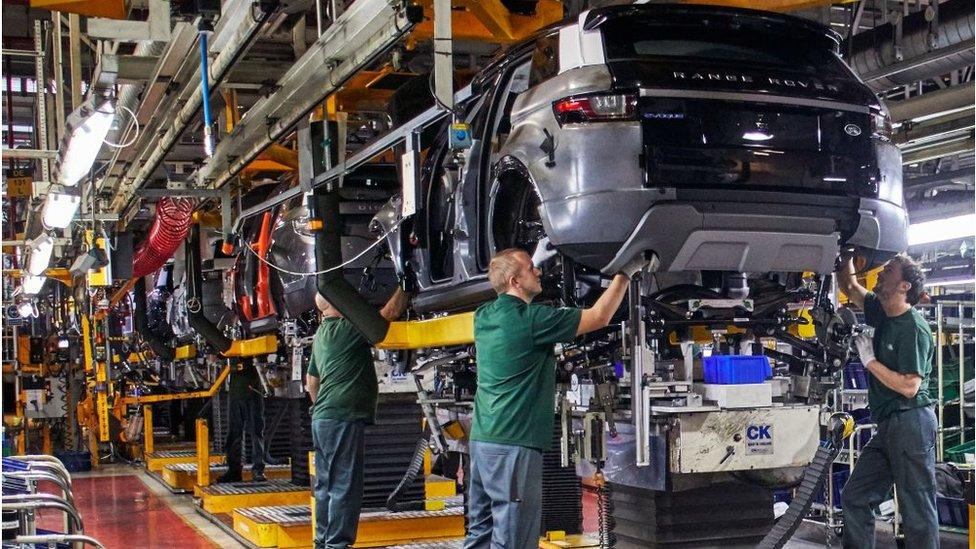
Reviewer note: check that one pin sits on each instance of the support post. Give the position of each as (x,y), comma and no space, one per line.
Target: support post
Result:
(443,55)
(148,440)
(203,452)
(638,404)
(74,58)
(940,405)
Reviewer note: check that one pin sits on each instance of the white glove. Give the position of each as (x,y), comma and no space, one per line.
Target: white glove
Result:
(634,266)
(865,346)
(543,252)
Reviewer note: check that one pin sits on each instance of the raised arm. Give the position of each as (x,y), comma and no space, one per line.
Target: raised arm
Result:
(396,305)
(848,284)
(599,315)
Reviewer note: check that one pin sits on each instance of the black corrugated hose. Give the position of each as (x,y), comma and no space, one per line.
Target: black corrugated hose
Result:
(409,476)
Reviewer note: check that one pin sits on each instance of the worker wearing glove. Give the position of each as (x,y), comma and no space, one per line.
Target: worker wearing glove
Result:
(513,416)
(342,384)
(898,355)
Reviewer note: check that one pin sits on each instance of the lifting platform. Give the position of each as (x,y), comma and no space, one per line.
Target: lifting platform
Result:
(182,477)
(290,526)
(224,498)
(157,461)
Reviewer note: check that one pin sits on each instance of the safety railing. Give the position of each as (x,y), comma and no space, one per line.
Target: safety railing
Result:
(20,478)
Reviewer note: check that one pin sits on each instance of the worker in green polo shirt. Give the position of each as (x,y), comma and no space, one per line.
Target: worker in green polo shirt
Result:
(898,355)
(342,384)
(514,404)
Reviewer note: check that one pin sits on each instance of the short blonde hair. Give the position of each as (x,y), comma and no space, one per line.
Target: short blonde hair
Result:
(504,265)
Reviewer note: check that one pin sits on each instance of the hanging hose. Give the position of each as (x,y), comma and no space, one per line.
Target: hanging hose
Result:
(604,510)
(416,463)
(161,349)
(194,296)
(205,30)
(173,219)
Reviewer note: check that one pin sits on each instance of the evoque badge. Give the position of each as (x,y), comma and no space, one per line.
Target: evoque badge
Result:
(852,130)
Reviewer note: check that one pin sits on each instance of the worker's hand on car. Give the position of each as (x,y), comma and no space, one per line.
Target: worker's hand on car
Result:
(865,346)
(634,266)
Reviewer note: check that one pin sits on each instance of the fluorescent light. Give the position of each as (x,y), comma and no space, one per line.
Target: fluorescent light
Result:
(951,282)
(32,284)
(85,142)
(835,179)
(59,208)
(939,230)
(757,136)
(40,254)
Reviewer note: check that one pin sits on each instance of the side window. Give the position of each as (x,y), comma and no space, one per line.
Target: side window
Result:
(545,59)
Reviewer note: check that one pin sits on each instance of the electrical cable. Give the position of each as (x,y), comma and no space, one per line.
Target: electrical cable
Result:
(378,241)
(131,141)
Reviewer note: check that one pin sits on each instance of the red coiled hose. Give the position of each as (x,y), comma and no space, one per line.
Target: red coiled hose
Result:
(173,219)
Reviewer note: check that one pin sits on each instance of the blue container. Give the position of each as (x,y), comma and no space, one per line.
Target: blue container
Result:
(737,369)
(855,376)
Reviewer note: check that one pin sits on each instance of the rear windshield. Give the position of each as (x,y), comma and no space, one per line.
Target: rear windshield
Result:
(628,38)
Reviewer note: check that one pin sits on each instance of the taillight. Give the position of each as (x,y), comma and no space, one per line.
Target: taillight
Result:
(880,125)
(595,108)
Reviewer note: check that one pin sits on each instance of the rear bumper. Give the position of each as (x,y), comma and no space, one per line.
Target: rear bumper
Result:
(761,235)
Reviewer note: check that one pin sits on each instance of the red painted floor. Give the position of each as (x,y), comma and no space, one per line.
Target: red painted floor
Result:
(121,512)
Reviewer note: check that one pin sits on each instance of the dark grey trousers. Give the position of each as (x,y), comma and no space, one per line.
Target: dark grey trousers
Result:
(902,452)
(339,458)
(504,497)
(244,410)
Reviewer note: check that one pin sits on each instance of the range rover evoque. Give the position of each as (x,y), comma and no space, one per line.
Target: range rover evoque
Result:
(734,145)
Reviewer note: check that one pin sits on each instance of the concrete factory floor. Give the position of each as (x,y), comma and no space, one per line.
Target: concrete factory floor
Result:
(123,507)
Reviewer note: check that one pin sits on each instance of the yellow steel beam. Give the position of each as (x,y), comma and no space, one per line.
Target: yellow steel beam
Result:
(148,439)
(255,346)
(113,9)
(148,399)
(489,21)
(203,452)
(437,332)
(184,352)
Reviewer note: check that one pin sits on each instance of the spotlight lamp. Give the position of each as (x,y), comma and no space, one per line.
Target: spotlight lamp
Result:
(39,254)
(87,127)
(59,207)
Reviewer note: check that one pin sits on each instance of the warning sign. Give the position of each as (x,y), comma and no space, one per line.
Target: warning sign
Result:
(20,182)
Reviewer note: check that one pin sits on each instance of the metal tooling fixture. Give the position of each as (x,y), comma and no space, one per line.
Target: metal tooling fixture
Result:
(363,32)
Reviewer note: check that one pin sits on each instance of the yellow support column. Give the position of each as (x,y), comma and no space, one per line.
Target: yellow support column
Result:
(203,453)
(147,431)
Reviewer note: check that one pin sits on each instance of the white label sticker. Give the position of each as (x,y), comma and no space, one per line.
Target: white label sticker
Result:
(296,364)
(759,439)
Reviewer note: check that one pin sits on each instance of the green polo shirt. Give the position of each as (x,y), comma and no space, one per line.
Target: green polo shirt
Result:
(343,362)
(904,344)
(515,400)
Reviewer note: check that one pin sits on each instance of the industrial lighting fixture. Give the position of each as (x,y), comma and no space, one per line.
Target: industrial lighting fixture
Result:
(59,208)
(951,282)
(939,230)
(88,127)
(757,136)
(25,308)
(32,284)
(40,250)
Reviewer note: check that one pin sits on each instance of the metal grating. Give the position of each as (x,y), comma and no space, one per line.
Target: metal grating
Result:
(192,468)
(562,492)
(285,515)
(174,454)
(244,488)
(378,516)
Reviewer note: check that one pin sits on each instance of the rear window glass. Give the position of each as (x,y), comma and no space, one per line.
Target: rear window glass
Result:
(643,39)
